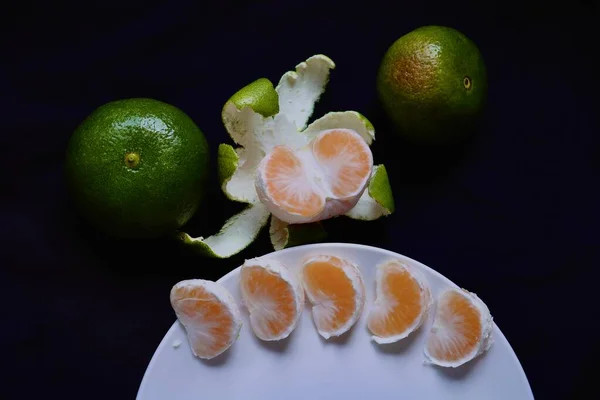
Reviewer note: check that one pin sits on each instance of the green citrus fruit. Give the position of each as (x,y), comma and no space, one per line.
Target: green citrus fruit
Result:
(137,167)
(432,83)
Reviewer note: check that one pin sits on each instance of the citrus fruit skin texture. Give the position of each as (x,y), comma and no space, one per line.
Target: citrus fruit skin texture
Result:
(260,95)
(137,167)
(432,83)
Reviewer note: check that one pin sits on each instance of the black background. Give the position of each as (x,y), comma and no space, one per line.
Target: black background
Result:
(512,215)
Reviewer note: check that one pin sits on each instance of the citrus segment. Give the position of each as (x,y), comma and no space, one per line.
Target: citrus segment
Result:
(320,181)
(335,288)
(209,315)
(273,296)
(402,302)
(461,329)
(345,159)
(288,184)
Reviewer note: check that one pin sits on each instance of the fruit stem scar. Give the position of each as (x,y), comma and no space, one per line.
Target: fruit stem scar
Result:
(132,160)
(467,82)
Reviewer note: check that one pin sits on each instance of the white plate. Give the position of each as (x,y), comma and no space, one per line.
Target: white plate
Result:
(305,366)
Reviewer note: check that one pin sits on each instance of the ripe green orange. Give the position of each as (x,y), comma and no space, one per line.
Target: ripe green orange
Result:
(432,83)
(137,167)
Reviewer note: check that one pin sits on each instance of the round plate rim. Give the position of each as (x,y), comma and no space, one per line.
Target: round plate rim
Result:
(309,247)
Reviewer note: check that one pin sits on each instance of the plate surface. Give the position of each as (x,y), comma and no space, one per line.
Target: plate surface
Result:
(305,366)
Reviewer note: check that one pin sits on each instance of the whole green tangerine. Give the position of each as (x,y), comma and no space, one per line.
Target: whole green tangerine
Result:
(432,83)
(111,142)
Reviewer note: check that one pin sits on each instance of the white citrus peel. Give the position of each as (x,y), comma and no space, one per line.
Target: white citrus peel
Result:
(259,118)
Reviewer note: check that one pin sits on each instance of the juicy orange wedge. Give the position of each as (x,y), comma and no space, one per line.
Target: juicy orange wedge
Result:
(208,313)
(317,182)
(402,302)
(273,296)
(461,329)
(345,159)
(290,185)
(336,290)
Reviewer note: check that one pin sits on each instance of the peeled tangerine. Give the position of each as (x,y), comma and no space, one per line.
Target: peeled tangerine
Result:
(402,303)
(209,315)
(274,297)
(462,329)
(336,290)
(322,180)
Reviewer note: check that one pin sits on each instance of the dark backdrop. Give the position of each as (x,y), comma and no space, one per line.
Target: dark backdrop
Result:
(511,215)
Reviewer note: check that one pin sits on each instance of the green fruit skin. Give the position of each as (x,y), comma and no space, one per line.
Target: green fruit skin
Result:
(421,84)
(157,196)
(260,95)
(227,162)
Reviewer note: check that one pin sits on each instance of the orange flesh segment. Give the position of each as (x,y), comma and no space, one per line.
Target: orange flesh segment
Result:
(404,303)
(462,324)
(288,185)
(206,309)
(345,158)
(270,290)
(327,280)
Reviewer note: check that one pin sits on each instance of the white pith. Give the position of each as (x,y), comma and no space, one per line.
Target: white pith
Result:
(196,328)
(314,177)
(384,302)
(255,136)
(323,307)
(261,306)
(441,329)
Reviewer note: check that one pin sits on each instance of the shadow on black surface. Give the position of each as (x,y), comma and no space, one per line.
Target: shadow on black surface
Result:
(414,163)
(153,258)
(416,173)
(347,230)
(123,256)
